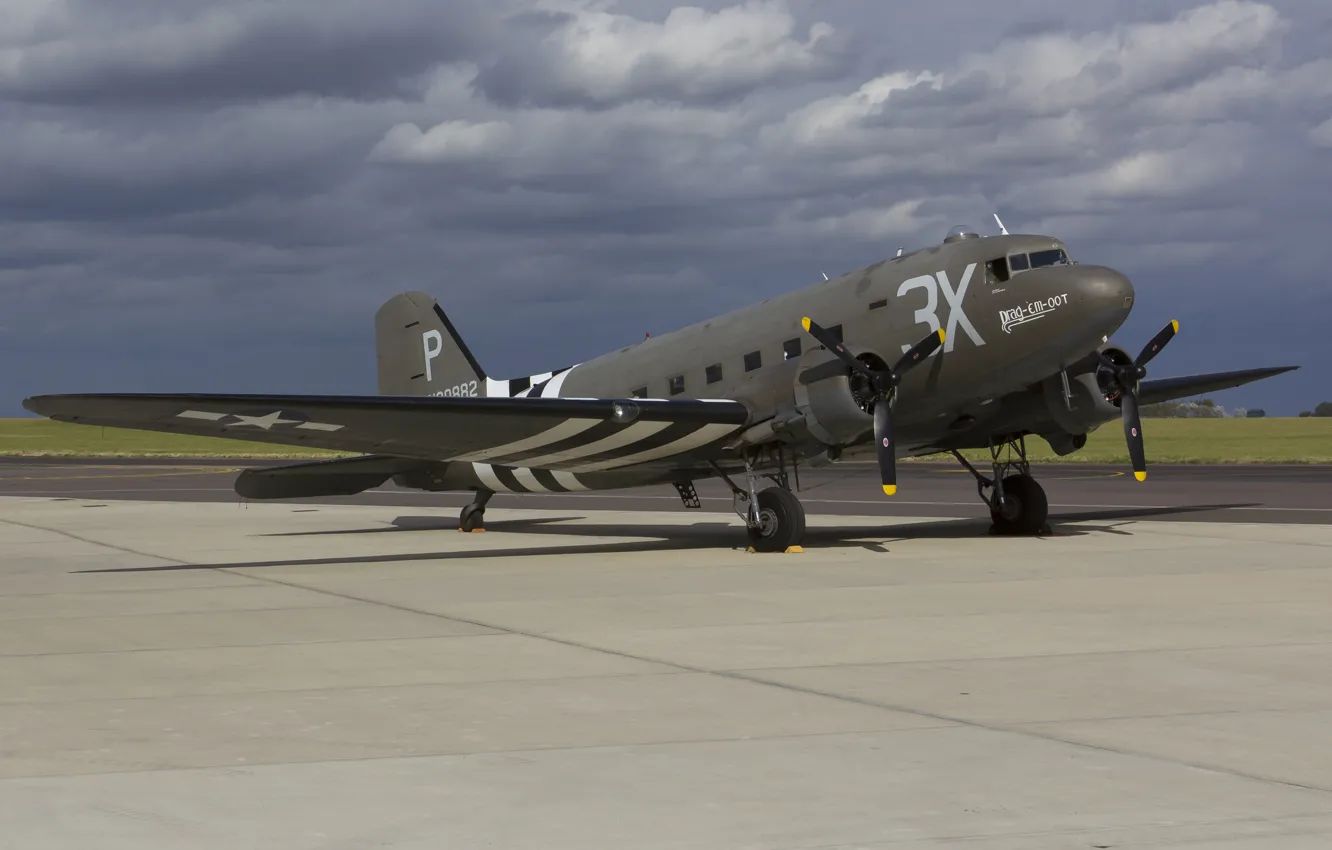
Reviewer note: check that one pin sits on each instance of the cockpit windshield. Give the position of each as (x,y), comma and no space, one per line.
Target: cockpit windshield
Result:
(1004,268)
(1053,257)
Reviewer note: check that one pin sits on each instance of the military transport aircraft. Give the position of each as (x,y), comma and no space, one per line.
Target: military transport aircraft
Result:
(976,342)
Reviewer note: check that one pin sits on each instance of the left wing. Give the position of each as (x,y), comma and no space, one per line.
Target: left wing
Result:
(577,435)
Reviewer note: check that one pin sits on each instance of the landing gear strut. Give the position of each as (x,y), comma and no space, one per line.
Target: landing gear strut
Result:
(1017,503)
(474,514)
(774,517)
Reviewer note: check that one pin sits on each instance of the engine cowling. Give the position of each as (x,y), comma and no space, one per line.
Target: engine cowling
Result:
(1092,400)
(837,406)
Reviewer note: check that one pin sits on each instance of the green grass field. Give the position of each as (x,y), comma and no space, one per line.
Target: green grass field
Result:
(1168,441)
(45,438)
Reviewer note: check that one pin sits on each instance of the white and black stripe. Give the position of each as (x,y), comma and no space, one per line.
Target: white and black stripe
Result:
(545,385)
(510,479)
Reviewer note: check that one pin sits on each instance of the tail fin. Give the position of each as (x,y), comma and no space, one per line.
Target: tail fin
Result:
(420,352)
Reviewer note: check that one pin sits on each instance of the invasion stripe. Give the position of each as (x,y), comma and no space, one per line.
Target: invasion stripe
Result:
(594,434)
(552,388)
(527,479)
(702,437)
(485,473)
(517,385)
(568,480)
(632,434)
(676,431)
(547,479)
(549,437)
(506,476)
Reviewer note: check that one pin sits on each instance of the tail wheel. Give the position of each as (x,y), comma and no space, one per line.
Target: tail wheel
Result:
(471,518)
(1025,508)
(781,521)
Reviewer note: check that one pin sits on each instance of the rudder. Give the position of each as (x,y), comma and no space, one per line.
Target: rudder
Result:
(420,353)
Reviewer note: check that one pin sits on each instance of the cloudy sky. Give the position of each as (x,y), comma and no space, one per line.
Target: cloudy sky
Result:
(215,195)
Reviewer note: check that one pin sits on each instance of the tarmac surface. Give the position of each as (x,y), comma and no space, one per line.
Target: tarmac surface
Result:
(1237,493)
(198,673)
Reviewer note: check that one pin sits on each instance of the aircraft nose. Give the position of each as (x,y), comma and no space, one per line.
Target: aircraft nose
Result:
(1105,288)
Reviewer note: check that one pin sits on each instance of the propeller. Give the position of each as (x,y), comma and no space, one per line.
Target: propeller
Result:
(882,385)
(1126,378)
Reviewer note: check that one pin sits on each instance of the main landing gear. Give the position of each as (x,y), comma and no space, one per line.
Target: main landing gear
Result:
(774,517)
(473,516)
(1017,503)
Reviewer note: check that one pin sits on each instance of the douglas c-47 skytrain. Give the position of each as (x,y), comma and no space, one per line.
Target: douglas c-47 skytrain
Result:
(972,343)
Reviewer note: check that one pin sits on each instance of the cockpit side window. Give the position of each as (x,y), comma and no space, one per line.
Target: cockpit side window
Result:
(1052,257)
(1018,263)
(998,269)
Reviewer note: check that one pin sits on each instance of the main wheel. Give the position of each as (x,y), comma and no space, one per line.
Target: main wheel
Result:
(1025,508)
(781,521)
(471,518)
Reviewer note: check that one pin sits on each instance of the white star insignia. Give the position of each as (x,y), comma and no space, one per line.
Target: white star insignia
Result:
(265,422)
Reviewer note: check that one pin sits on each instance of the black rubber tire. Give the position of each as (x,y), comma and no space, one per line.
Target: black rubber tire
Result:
(472,518)
(1025,509)
(785,521)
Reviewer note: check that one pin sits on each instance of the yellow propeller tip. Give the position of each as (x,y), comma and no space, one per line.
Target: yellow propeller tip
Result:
(1141,476)
(804,323)
(1174,324)
(890,489)
(942,336)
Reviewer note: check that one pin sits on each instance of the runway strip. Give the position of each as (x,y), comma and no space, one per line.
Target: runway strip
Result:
(1253,494)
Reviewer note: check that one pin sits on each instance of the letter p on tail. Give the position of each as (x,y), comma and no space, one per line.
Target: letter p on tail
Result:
(420,353)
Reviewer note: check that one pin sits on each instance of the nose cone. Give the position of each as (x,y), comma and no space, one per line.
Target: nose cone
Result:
(1106,297)
(1104,287)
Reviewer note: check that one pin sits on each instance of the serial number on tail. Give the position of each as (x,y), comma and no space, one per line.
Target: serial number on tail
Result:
(467,389)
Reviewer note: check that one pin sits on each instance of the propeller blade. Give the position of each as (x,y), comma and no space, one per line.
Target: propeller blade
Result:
(1158,342)
(827,340)
(1133,433)
(883,446)
(919,352)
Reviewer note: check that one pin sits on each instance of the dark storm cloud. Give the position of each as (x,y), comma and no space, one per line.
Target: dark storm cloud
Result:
(227,190)
(597,59)
(104,53)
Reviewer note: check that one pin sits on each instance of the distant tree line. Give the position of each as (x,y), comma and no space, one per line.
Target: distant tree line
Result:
(1205,408)
(1201,409)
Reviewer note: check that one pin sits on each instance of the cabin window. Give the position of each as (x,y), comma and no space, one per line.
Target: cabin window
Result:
(882,302)
(641,392)
(1019,263)
(753,360)
(791,348)
(677,384)
(714,373)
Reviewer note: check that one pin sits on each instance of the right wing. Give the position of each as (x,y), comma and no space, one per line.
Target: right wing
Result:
(1169,389)
(572,434)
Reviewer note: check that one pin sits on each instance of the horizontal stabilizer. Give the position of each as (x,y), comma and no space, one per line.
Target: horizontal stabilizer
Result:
(1169,389)
(339,477)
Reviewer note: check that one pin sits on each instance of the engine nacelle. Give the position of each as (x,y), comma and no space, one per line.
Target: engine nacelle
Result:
(1091,400)
(834,407)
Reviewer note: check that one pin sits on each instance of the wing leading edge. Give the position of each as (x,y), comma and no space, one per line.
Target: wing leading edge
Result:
(576,435)
(1169,389)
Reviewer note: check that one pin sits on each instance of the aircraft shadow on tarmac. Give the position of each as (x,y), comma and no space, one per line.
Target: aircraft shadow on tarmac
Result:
(662,537)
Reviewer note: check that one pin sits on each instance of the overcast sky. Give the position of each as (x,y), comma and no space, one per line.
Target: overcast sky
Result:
(216,196)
